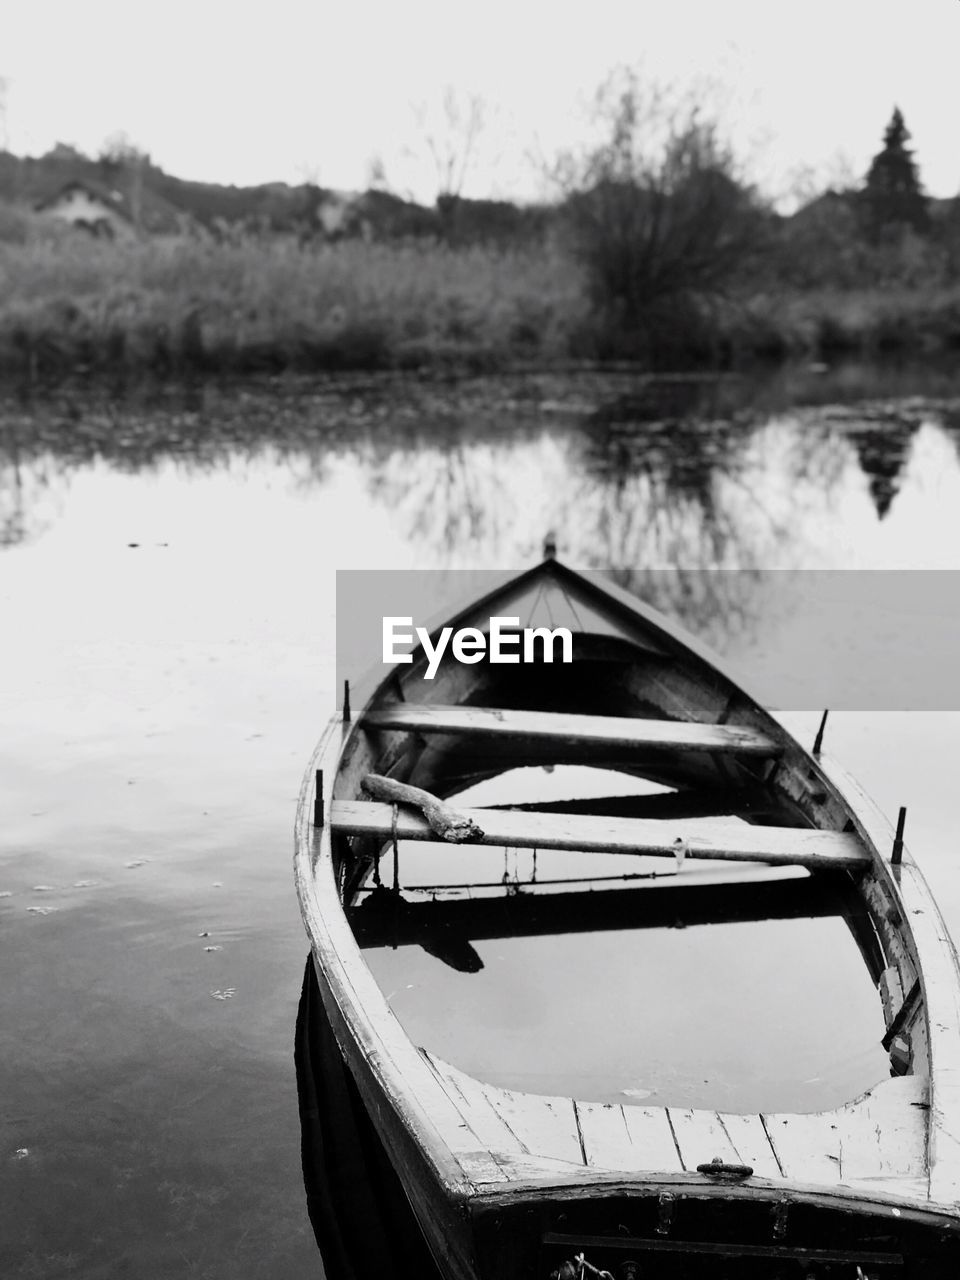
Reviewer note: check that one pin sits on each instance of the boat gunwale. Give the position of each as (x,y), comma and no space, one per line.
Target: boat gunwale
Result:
(935,952)
(841,1197)
(339,961)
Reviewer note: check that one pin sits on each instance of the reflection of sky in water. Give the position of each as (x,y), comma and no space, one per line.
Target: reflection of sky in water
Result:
(692,1017)
(743,1015)
(159,703)
(787,492)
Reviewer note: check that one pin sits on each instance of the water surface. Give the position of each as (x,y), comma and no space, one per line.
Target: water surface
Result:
(166,589)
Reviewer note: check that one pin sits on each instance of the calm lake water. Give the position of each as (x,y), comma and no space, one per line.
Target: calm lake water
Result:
(167,595)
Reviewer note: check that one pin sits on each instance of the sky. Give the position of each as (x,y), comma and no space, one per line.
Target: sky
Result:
(299,91)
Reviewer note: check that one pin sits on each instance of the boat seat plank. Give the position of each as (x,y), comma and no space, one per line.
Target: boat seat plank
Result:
(618,731)
(703,838)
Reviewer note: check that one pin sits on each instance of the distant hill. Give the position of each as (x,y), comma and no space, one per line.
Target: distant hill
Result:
(162,203)
(32,181)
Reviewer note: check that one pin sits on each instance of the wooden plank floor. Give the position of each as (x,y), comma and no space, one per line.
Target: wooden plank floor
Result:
(703,837)
(879,1140)
(612,731)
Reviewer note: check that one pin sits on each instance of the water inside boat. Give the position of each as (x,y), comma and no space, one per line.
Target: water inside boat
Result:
(612,978)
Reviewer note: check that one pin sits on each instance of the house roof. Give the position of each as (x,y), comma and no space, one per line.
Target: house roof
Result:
(112,199)
(156,213)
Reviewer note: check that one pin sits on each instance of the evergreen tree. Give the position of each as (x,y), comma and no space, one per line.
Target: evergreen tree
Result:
(892,194)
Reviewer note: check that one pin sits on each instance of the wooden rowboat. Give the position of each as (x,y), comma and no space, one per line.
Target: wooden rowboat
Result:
(507,1184)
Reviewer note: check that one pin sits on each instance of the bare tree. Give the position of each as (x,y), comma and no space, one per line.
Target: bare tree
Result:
(452,142)
(377,174)
(806,183)
(4,132)
(119,149)
(123,160)
(657,212)
(451,139)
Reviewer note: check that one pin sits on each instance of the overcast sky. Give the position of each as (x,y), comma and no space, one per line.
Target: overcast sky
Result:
(296,90)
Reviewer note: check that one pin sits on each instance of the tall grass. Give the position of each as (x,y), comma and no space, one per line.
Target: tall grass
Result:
(186,304)
(865,320)
(272,303)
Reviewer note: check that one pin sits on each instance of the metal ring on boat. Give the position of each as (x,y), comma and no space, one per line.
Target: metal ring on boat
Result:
(717,1168)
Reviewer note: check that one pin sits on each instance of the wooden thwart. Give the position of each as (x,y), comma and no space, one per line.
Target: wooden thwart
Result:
(701,838)
(609,731)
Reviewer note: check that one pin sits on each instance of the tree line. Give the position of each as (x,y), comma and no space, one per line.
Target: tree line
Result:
(670,231)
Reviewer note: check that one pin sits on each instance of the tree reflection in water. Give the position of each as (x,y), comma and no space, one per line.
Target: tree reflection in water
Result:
(882,440)
(465,500)
(671,477)
(33,489)
(635,473)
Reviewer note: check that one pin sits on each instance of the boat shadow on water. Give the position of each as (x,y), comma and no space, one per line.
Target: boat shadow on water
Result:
(355,1201)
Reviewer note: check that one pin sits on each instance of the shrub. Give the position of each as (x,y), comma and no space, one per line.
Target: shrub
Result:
(658,217)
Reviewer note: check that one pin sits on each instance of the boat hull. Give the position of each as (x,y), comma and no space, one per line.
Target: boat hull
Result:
(665,1230)
(667,1226)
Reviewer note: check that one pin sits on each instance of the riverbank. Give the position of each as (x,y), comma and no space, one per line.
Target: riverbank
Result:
(183,305)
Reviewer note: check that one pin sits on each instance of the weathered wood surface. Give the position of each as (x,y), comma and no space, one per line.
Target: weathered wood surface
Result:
(701,1137)
(625,1139)
(806,1148)
(891,991)
(445,821)
(750,1140)
(618,731)
(700,837)
(653,1137)
(877,1141)
(918,929)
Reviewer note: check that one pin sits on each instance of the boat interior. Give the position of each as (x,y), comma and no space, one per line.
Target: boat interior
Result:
(638,791)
